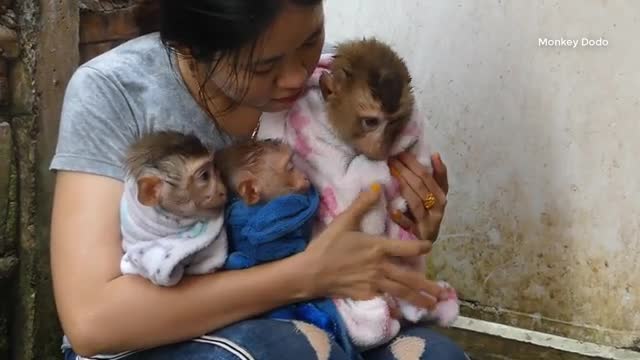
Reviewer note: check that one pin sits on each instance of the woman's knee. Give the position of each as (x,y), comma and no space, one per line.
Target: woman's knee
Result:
(273,339)
(418,343)
(317,338)
(426,344)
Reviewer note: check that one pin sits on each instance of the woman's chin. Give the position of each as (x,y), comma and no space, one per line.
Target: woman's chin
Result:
(277,106)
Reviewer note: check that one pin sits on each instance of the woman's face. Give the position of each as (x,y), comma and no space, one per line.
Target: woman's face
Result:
(283,59)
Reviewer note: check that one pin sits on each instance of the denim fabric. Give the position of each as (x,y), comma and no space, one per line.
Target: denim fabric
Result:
(266,339)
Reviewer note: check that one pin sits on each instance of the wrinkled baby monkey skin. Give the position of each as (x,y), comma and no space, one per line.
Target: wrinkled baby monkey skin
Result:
(369,96)
(259,171)
(176,172)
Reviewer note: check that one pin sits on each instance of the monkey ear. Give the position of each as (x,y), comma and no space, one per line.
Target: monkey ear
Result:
(248,191)
(327,85)
(149,188)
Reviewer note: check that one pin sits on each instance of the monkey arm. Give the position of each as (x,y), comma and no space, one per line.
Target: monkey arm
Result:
(364,173)
(210,258)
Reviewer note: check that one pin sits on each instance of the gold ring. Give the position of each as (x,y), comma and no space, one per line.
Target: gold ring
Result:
(429,201)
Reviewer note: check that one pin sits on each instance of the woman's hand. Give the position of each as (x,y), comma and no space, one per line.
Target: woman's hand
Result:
(348,263)
(416,186)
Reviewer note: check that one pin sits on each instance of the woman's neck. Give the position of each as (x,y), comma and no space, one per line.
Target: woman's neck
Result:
(240,121)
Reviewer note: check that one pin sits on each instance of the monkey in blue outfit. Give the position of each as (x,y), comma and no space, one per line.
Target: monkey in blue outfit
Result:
(270,216)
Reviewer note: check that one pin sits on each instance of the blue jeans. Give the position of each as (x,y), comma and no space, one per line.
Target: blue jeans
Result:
(266,339)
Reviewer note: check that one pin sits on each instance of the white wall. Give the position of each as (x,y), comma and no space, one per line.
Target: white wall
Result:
(542,146)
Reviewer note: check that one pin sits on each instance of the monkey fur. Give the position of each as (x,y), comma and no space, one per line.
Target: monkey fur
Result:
(172,209)
(272,205)
(270,216)
(357,112)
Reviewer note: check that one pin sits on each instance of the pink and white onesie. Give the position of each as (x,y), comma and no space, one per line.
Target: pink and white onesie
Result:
(340,174)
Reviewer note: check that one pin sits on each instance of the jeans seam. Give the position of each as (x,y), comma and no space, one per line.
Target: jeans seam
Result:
(232,347)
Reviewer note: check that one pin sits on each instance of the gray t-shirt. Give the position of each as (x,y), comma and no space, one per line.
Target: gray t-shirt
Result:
(115,98)
(120,95)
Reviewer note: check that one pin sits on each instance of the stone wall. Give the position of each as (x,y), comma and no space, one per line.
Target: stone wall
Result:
(106,24)
(32,34)
(9,209)
(41,44)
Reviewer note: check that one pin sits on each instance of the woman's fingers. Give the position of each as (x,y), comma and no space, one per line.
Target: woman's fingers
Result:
(400,248)
(400,170)
(440,172)
(401,291)
(419,178)
(413,199)
(413,280)
(402,220)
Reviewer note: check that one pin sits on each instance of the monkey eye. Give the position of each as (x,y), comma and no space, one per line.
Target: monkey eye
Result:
(204,176)
(370,123)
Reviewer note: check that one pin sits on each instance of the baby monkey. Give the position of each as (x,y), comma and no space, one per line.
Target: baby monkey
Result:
(260,171)
(270,212)
(172,209)
(358,112)
(270,216)
(369,97)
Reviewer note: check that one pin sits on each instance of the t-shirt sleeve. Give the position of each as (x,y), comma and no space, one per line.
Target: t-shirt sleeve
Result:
(96,126)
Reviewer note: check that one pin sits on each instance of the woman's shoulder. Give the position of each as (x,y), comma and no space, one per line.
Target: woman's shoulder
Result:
(113,99)
(140,64)
(143,54)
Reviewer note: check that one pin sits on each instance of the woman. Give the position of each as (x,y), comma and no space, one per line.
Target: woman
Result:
(213,69)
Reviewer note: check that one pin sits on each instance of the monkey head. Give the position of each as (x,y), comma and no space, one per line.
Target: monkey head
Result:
(176,173)
(259,171)
(368,95)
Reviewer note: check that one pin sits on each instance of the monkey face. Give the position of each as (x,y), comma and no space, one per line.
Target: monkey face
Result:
(175,172)
(375,135)
(368,95)
(363,121)
(199,193)
(281,177)
(259,171)
(206,187)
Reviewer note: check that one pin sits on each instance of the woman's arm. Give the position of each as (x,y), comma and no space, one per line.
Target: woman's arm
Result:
(104,312)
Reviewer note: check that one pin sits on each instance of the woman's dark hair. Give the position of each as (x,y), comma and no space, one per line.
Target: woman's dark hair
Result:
(214,29)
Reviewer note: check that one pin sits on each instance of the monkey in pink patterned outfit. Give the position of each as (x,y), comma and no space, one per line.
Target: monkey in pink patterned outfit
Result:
(357,112)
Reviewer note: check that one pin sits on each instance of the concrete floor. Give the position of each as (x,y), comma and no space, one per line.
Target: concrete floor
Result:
(485,340)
